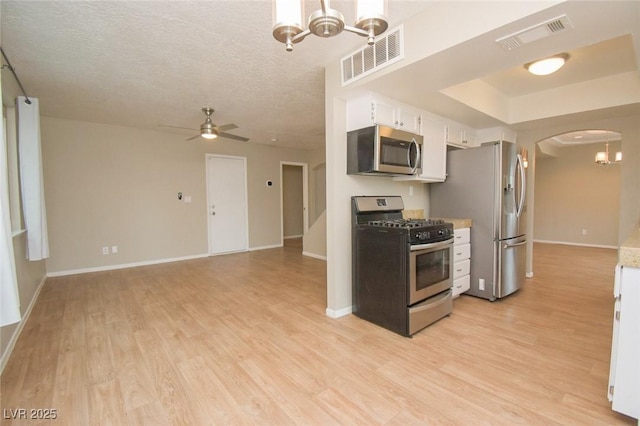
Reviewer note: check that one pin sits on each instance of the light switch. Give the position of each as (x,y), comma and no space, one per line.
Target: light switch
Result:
(187,198)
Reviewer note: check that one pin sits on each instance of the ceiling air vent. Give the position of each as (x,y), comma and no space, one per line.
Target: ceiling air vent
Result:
(536,32)
(385,51)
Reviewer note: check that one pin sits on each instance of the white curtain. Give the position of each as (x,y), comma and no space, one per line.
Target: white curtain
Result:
(32,182)
(9,300)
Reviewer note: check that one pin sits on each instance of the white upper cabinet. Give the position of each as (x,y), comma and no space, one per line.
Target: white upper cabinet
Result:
(438,132)
(493,134)
(373,109)
(434,151)
(460,136)
(409,120)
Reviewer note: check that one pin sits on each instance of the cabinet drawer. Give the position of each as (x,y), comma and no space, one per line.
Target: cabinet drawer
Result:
(461,236)
(461,285)
(461,252)
(461,268)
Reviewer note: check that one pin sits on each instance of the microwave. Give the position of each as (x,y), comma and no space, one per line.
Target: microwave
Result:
(379,150)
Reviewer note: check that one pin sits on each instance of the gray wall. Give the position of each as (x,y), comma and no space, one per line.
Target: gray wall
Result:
(108,185)
(292,201)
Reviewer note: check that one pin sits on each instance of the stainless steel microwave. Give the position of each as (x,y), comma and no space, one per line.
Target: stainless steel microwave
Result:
(380,150)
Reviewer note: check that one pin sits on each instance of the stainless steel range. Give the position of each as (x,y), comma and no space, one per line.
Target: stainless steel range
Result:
(402,268)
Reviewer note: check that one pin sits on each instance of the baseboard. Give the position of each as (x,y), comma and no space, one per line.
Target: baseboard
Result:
(290,237)
(529,275)
(124,265)
(567,243)
(315,256)
(339,313)
(14,338)
(265,247)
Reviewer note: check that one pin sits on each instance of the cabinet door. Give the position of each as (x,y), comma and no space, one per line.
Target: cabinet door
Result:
(384,113)
(434,151)
(409,120)
(453,134)
(626,345)
(469,137)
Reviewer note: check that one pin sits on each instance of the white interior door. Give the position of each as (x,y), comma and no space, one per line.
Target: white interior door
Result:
(227,204)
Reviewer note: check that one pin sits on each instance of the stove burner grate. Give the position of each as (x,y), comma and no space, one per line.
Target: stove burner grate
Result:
(406,223)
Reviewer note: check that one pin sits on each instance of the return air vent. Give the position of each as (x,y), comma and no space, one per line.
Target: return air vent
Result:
(385,51)
(536,32)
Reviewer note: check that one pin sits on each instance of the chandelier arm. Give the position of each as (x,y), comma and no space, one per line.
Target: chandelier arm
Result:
(300,36)
(355,30)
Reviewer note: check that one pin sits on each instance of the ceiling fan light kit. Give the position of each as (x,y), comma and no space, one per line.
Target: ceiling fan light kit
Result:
(326,22)
(208,130)
(548,65)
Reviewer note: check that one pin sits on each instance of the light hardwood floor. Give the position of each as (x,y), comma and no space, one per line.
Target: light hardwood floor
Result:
(244,339)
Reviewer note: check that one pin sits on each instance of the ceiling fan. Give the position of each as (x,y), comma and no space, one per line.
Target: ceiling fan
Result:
(209,130)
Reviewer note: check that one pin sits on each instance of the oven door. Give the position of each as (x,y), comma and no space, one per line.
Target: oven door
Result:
(430,270)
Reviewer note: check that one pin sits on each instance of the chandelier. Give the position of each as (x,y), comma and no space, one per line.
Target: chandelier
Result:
(602,157)
(326,22)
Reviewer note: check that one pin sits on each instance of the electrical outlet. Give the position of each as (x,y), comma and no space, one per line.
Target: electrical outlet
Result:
(105,250)
(584,231)
(114,249)
(481,284)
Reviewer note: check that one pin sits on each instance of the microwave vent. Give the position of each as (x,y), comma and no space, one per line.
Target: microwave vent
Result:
(535,32)
(385,51)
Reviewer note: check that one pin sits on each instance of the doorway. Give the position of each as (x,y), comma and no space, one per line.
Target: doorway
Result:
(227,204)
(578,199)
(294,204)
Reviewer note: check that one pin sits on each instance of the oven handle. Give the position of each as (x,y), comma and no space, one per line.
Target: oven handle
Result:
(430,246)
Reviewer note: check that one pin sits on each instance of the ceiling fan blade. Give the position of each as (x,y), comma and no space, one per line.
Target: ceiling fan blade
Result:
(225,127)
(192,138)
(176,127)
(234,137)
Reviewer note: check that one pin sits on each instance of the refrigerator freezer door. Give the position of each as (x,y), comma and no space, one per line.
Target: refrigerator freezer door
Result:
(511,266)
(512,185)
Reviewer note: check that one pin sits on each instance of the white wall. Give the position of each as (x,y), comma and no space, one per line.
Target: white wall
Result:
(420,42)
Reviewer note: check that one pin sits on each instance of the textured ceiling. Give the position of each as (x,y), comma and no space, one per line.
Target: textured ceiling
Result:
(147,63)
(150,63)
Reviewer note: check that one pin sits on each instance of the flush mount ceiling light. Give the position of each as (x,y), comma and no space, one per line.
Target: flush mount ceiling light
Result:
(548,65)
(326,22)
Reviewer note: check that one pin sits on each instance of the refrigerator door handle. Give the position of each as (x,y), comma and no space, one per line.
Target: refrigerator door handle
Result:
(523,185)
(515,245)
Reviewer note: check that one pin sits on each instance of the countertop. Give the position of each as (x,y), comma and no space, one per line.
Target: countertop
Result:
(457,223)
(629,253)
(419,214)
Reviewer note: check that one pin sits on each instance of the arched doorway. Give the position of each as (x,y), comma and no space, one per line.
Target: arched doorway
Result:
(578,200)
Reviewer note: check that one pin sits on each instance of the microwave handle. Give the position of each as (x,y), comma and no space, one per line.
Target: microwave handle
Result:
(417,162)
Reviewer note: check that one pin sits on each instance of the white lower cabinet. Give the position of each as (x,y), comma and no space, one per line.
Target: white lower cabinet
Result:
(461,260)
(624,373)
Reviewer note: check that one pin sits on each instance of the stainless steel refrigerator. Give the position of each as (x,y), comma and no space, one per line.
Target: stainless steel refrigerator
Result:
(488,185)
